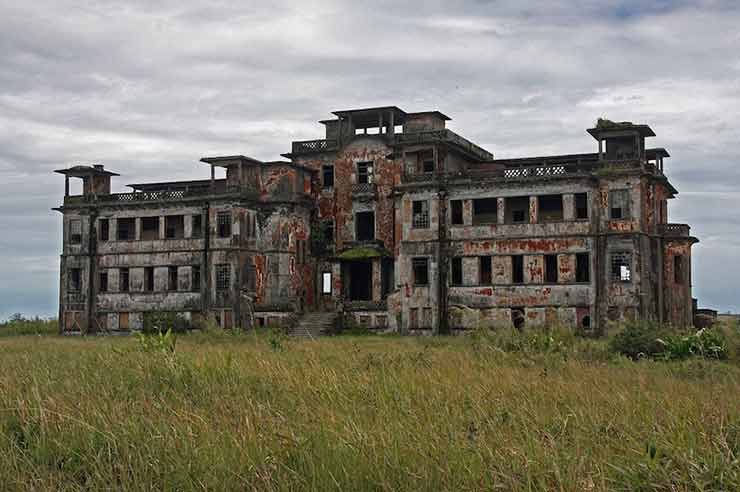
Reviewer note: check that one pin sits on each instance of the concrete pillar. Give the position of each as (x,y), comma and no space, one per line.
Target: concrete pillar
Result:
(377,282)
(533,212)
(161,228)
(137,229)
(467,212)
(569,206)
(188,226)
(501,210)
(113,231)
(213,177)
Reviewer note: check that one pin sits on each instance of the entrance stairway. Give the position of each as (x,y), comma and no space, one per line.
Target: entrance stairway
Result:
(313,325)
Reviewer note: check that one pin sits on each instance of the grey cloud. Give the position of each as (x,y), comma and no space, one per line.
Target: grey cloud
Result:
(148,87)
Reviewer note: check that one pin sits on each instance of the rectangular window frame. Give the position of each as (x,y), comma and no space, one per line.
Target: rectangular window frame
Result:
(621,266)
(620,204)
(365,170)
(223,277)
(583,268)
(551,269)
(75,231)
(580,204)
(485,211)
(420,214)
(327,176)
(124,280)
(172,279)
(456,271)
(420,270)
(485,270)
(456,212)
(223,224)
(517,269)
(326,283)
(104,229)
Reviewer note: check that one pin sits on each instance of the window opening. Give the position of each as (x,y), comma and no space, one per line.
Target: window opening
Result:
(485,211)
(421,271)
(421,214)
(551,269)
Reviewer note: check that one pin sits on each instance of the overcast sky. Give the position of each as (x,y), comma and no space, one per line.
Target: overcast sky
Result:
(147,88)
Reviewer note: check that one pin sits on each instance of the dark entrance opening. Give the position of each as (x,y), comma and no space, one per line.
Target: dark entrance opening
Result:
(360,280)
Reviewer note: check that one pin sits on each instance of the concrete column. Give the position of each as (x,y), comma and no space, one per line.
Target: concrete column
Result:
(137,231)
(501,210)
(569,207)
(213,177)
(377,282)
(161,228)
(392,124)
(188,226)
(533,212)
(467,212)
(113,231)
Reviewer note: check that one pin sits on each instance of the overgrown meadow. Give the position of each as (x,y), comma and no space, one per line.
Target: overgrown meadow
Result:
(509,411)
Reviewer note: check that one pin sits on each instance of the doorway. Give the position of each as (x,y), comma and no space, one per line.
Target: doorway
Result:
(360,276)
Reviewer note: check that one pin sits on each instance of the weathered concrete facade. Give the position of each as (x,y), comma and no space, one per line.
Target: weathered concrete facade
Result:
(394,221)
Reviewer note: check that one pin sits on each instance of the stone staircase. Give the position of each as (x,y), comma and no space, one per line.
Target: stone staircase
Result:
(313,325)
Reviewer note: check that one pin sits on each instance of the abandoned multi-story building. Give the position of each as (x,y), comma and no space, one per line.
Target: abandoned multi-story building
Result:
(392,221)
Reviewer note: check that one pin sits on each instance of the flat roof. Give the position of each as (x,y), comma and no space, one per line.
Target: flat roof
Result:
(607,126)
(436,113)
(80,171)
(220,160)
(368,117)
(173,185)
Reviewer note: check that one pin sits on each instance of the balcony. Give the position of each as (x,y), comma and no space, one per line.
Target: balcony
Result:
(364,190)
(674,230)
(313,146)
(510,173)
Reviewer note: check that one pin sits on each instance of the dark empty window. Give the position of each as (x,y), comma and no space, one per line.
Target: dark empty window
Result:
(583,268)
(364,172)
(75,231)
(456,210)
(550,208)
(421,271)
(421,214)
(428,165)
(327,174)
(149,279)
(74,282)
(365,228)
(197,226)
(619,204)
(517,210)
(103,282)
(485,211)
(678,275)
(104,229)
(517,269)
(329,234)
(172,278)
(485,270)
(581,204)
(149,228)
(195,277)
(551,269)
(123,280)
(126,229)
(622,267)
(457,271)
(174,226)
(223,277)
(223,222)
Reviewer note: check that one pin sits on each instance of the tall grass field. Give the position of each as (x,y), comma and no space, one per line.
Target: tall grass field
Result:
(264,412)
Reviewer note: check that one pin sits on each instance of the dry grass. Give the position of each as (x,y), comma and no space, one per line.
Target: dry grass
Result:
(368,413)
